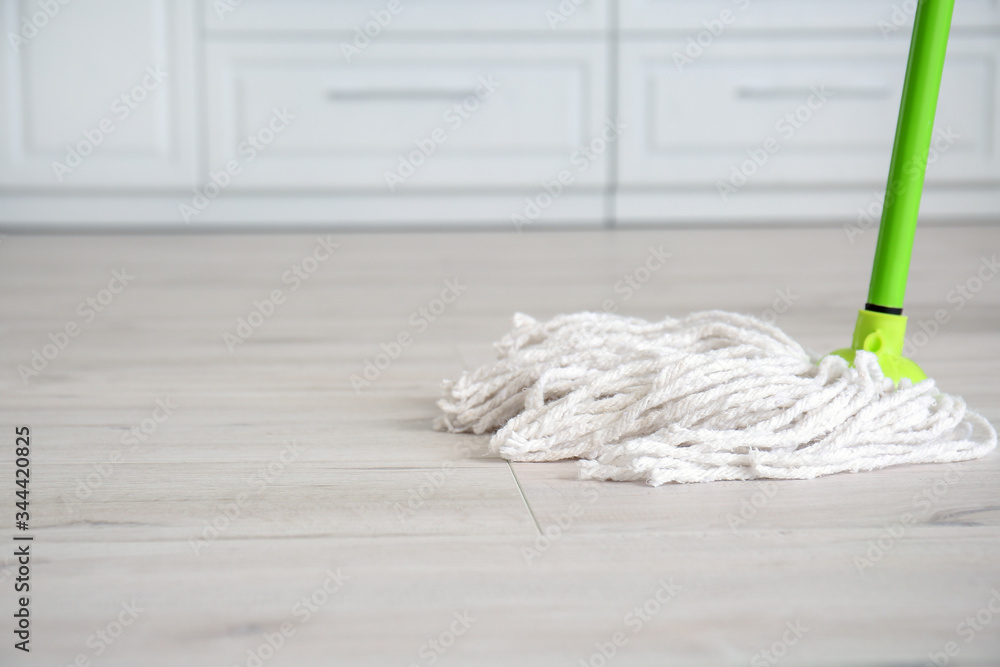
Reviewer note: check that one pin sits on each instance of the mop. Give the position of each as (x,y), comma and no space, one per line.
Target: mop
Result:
(722,396)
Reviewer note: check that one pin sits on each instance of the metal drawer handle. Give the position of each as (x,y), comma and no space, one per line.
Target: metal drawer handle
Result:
(855,91)
(447,94)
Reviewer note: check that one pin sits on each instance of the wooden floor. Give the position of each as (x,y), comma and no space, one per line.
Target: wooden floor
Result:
(275,504)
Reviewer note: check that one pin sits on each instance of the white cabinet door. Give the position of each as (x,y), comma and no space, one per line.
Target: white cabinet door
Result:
(870,17)
(820,113)
(410,117)
(378,17)
(97,94)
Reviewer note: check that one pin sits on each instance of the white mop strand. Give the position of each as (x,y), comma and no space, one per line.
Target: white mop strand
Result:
(713,396)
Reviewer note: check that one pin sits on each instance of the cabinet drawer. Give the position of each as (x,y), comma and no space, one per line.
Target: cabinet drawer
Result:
(87,103)
(877,17)
(523,109)
(406,16)
(697,120)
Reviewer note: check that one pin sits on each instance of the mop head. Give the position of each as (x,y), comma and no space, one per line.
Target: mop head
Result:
(713,396)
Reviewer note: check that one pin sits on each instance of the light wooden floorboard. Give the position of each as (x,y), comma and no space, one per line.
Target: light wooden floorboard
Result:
(548,566)
(734,598)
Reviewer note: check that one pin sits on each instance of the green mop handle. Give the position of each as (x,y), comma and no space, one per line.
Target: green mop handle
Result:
(909,156)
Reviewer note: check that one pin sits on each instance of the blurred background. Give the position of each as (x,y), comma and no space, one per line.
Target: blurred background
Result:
(188,114)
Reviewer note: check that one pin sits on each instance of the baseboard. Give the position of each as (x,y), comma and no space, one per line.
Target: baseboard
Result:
(632,208)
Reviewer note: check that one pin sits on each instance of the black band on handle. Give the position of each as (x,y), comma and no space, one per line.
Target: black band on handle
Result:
(882,309)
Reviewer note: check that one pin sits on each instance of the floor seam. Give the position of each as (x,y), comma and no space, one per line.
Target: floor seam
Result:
(524,498)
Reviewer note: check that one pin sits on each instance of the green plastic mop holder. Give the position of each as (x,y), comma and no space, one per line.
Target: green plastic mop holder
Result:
(881,326)
(882,334)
